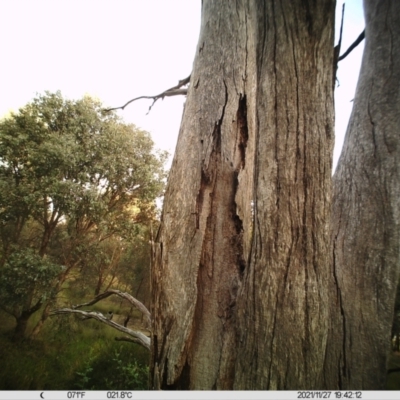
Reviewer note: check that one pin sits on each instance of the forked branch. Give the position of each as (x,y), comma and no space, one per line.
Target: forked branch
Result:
(135,302)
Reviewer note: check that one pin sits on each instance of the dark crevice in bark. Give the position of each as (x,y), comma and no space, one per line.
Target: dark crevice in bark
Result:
(159,361)
(223,109)
(237,240)
(372,123)
(243,130)
(242,146)
(183,382)
(204,180)
(341,370)
(155,384)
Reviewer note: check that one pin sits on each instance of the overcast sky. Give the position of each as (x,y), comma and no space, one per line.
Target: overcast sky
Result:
(120,49)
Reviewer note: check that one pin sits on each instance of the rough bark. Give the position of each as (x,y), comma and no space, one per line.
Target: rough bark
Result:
(283,301)
(366,211)
(240,261)
(201,244)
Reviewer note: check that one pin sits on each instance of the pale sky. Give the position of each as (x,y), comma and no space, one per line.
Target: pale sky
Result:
(120,49)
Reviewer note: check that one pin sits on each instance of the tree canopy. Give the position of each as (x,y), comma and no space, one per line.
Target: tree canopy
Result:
(73,175)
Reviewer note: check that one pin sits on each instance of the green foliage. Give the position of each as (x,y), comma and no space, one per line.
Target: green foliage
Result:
(76,183)
(66,351)
(117,373)
(67,159)
(26,278)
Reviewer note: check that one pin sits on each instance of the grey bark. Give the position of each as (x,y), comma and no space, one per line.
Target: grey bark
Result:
(240,295)
(206,226)
(366,211)
(283,301)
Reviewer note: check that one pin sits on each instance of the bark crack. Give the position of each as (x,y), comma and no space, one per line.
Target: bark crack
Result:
(341,371)
(372,121)
(245,49)
(243,130)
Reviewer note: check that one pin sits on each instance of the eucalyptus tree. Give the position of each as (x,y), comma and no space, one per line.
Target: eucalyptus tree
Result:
(251,289)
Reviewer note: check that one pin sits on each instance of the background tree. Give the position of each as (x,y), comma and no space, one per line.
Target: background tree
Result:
(249,290)
(27,281)
(72,169)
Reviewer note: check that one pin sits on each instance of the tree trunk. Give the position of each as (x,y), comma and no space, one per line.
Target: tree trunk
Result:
(366,210)
(99,284)
(20,328)
(241,261)
(38,327)
(22,321)
(283,302)
(47,305)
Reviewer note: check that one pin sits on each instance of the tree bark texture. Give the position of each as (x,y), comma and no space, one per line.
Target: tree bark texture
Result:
(283,300)
(240,294)
(366,210)
(206,225)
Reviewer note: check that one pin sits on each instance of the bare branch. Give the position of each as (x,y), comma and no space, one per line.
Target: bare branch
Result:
(353,46)
(337,49)
(135,302)
(174,91)
(339,45)
(127,339)
(138,337)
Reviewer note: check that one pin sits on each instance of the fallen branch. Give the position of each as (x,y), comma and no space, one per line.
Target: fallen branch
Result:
(174,91)
(135,302)
(138,337)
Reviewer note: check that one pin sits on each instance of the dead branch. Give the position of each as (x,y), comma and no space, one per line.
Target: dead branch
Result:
(337,48)
(126,339)
(174,91)
(138,337)
(339,45)
(353,46)
(135,302)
